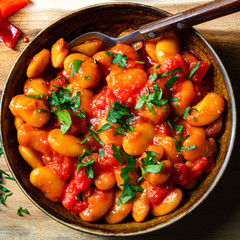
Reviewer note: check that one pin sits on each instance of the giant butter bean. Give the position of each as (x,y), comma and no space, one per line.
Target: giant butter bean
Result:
(66,144)
(167,46)
(26,108)
(169,203)
(170,151)
(141,206)
(133,177)
(35,86)
(207,111)
(30,137)
(38,64)
(118,212)
(32,157)
(108,136)
(98,205)
(89,73)
(202,147)
(185,96)
(136,142)
(105,181)
(160,177)
(49,183)
(161,113)
(86,96)
(89,48)
(59,52)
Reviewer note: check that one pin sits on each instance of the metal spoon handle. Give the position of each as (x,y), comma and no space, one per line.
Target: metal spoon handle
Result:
(191,17)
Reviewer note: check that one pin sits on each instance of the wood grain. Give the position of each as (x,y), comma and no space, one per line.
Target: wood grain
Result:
(217,218)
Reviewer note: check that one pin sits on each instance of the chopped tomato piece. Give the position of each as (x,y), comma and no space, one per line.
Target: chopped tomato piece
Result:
(180,173)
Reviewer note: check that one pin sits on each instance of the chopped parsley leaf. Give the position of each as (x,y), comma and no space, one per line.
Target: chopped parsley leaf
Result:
(62,100)
(153,76)
(80,196)
(170,82)
(93,132)
(129,190)
(39,96)
(21,210)
(117,112)
(194,69)
(166,74)
(153,98)
(75,67)
(120,59)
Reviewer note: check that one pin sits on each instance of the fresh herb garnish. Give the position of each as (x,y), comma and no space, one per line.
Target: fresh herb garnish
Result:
(21,210)
(62,100)
(187,111)
(120,59)
(88,165)
(129,190)
(135,45)
(109,54)
(194,69)
(173,99)
(86,77)
(39,96)
(101,152)
(149,164)
(57,77)
(170,82)
(179,149)
(80,196)
(83,155)
(178,128)
(117,112)
(3,190)
(75,67)
(166,74)
(151,99)
(141,62)
(93,132)
(153,76)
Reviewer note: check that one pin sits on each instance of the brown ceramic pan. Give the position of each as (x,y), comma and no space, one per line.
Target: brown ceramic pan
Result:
(113,19)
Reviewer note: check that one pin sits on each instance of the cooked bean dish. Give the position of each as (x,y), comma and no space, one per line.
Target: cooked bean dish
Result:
(112,132)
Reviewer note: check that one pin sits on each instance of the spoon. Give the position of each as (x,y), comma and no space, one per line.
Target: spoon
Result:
(191,17)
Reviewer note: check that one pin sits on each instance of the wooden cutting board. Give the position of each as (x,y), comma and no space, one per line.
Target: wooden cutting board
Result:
(218,217)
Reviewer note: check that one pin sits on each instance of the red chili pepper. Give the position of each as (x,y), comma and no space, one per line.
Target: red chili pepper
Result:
(9,34)
(8,7)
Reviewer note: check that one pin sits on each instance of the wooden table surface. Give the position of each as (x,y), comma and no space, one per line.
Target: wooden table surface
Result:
(218,217)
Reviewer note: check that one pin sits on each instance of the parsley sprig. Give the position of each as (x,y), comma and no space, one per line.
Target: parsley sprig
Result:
(176,127)
(62,100)
(129,190)
(39,96)
(194,69)
(4,192)
(149,164)
(22,210)
(118,58)
(117,113)
(75,67)
(153,98)
(93,132)
(177,145)
(187,111)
